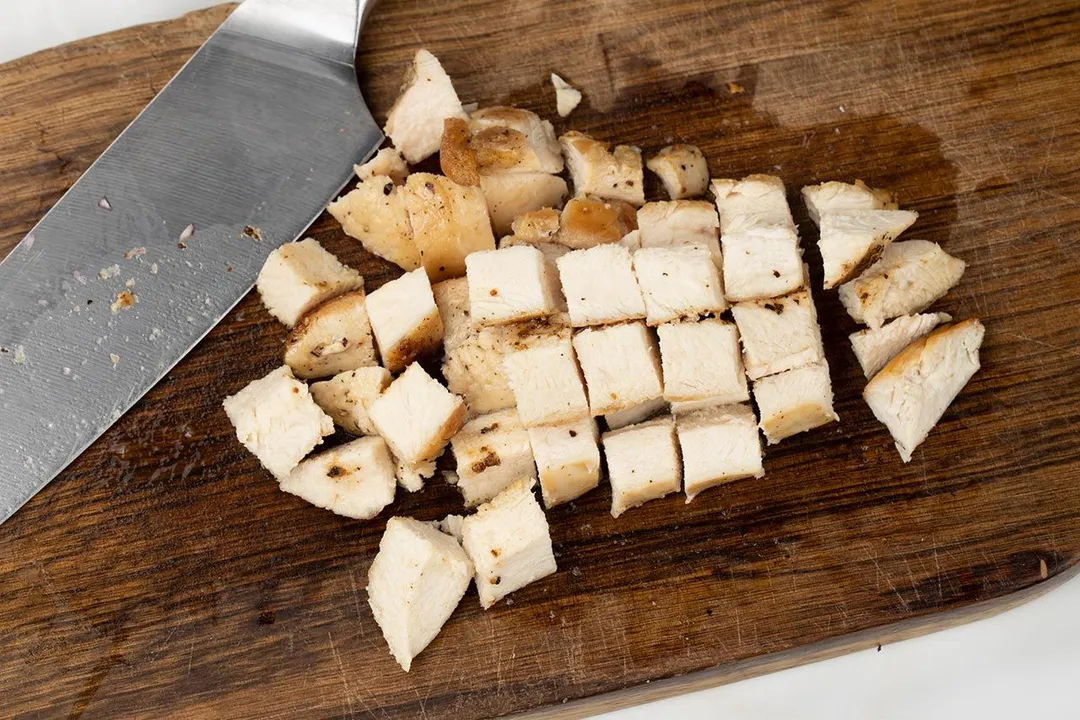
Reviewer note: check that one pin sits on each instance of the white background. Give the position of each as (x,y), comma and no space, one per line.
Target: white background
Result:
(1019,664)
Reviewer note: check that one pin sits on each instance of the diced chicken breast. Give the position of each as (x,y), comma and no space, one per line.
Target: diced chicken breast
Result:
(700,360)
(405,319)
(457,159)
(908,278)
(347,397)
(718,445)
(427,97)
(875,348)
(334,337)
(678,282)
(417,416)
(509,195)
(546,382)
(568,459)
(643,463)
(508,139)
(621,365)
(636,414)
(839,196)
(595,170)
(914,389)
(794,401)
(682,169)
(452,300)
(680,223)
(417,579)
(449,221)
(509,542)
(852,240)
(387,163)
(491,451)
(588,222)
(375,214)
(779,334)
(277,420)
(509,285)
(412,477)
(600,286)
(567,97)
(551,252)
(759,195)
(761,260)
(298,276)
(355,479)
(536,226)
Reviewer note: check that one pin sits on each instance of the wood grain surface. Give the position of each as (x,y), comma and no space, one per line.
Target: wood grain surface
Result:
(163,574)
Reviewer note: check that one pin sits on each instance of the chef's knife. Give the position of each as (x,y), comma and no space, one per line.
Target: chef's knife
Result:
(167,230)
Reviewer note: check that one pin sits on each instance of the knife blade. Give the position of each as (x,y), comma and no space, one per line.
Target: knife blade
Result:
(168,229)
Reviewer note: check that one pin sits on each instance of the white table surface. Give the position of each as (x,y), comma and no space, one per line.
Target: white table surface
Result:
(1021,664)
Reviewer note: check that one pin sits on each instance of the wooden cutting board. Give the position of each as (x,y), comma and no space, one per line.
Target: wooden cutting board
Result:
(164,574)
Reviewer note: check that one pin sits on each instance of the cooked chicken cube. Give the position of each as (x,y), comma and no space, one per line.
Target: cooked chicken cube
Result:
(536,226)
(682,169)
(567,96)
(794,401)
(760,260)
(779,334)
(638,413)
(355,480)
(551,252)
(347,397)
(509,542)
(449,221)
(760,195)
(508,139)
(830,196)
(680,223)
(452,300)
(908,278)
(509,195)
(595,170)
(375,214)
(298,276)
(412,477)
(700,360)
(334,337)
(875,348)
(599,286)
(546,382)
(276,419)
(405,319)
(417,416)
(643,463)
(457,159)
(491,451)
(678,282)
(621,365)
(427,97)
(588,222)
(853,239)
(417,579)
(718,445)
(568,459)
(509,285)
(387,163)
(914,389)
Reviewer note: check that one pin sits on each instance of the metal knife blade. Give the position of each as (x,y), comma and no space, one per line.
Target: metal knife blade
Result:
(236,156)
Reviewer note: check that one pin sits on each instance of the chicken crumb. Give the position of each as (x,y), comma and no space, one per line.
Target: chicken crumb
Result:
(114,358)
(252,232)
(567,97)
(124,299)
(19,357)
(134,253)
(109,272)
(735,88)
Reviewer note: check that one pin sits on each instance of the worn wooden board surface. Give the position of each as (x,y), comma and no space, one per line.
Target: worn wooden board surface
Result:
(164,574)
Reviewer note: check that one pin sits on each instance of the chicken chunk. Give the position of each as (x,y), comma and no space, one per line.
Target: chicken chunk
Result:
(298,276)
(839,196)
(567,97)
(508,139)
(427,97)
(546,382)
(277,420)
(452,300)
(451,525)
(682,169)
(916,387)
(761,260)
(449,221)
(405,320)
(718,445)
(375,214)
(509,542)
(621,365)
(600,286)
(509,195)
(334,337)
(536,226)
(491,451)
(700,361)
(643,463)
(588,222)
(762,196)
(794,401)
(509,285)
(347,397)
(680,223)
(636,414)
(851,240)
(417,579)
(355,479)
(617,174)
(678,282)
(779,334)
(908,278)
(417,416)
(875,348)
(457,159)
(412,477)
(386,163)
(568,460)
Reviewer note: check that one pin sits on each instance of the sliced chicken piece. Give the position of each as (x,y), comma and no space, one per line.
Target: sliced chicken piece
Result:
(427,97)
(567,97)
(508,139)
(405,319)
(492,451)
(761,260)
(509,285)
(448,221)
(536,226)
(509,542)
(643,463)
(701,361)
(875,348)
(298,276)
(621,364)
(916,387)
(411,477)
(616,175)
(457,159)
(452,299)
(682,169)
(334,337)
(794,401)
(417,416)
(546,382)
(718,445)
(779,334)
(839,196)
(852,240)
(680,223)
(355,479)
(386,163)
(639,413)
(509,195)
(347,397)
(375,214)
(568,460)
(588,222)
(908,278)
(678,282)
(759,195)
(417,579)
(600,286)
(277,420)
